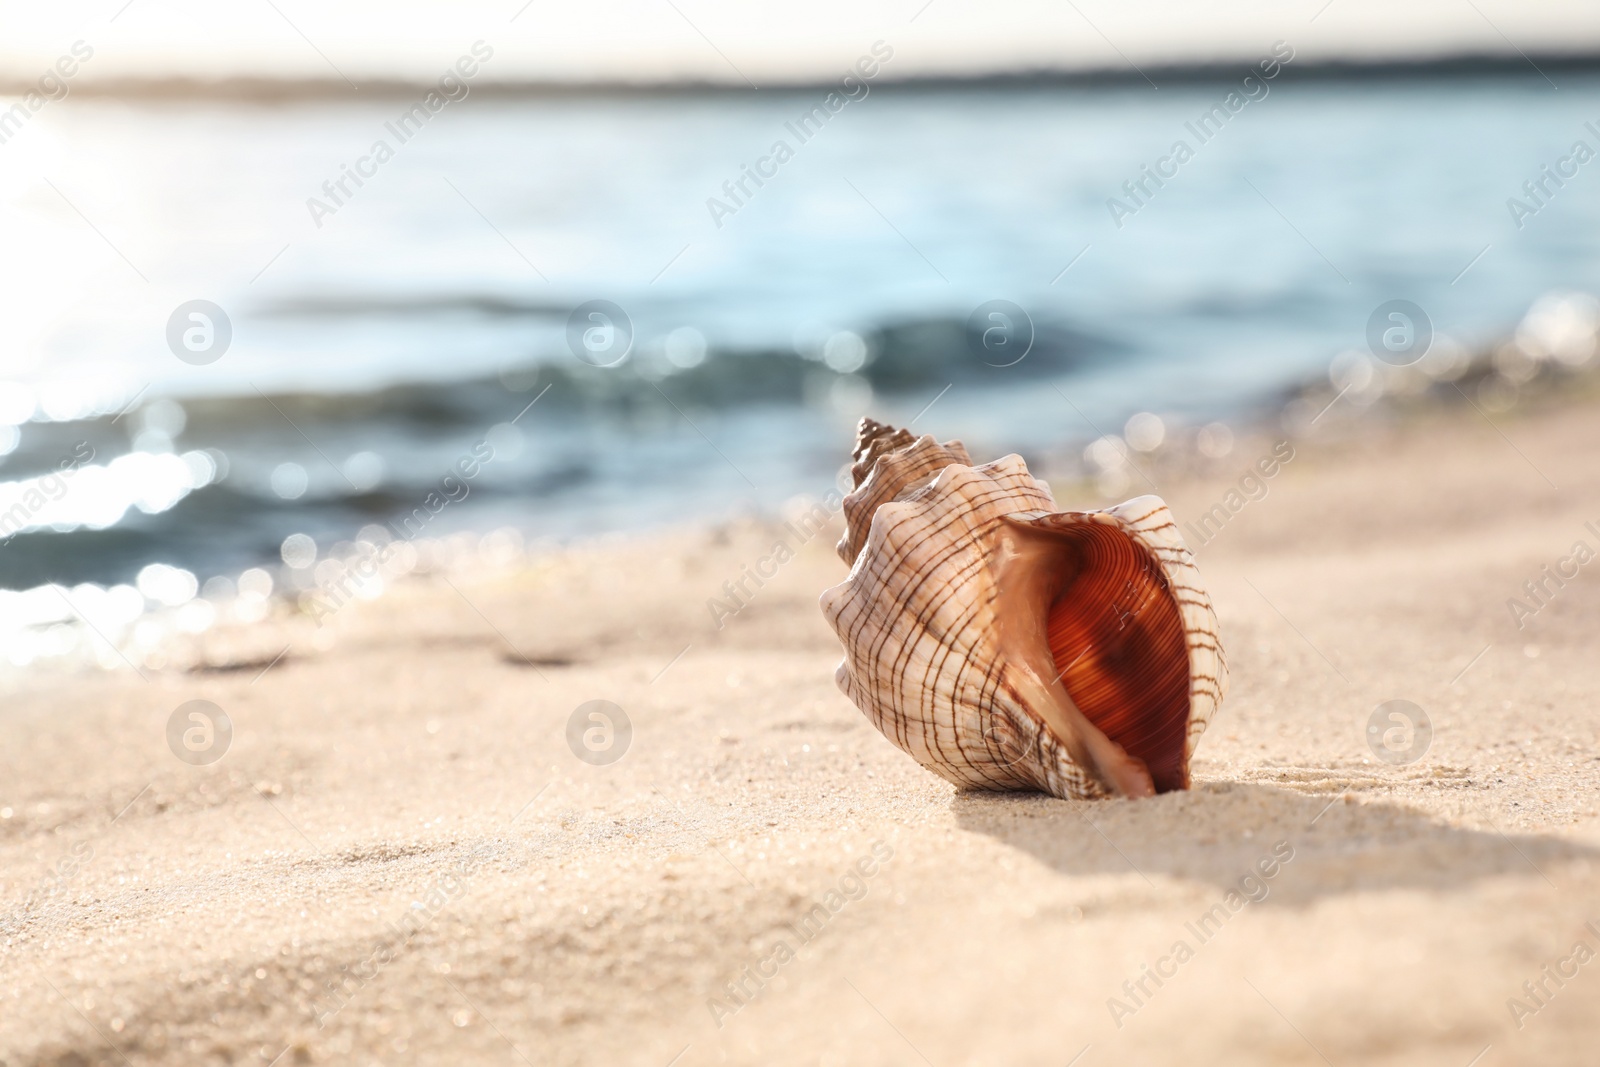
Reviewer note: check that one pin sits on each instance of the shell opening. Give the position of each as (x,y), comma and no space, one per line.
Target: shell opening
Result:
(1092,625)
(1117,640)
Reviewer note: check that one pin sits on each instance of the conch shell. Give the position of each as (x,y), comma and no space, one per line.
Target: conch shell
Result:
(1006,645)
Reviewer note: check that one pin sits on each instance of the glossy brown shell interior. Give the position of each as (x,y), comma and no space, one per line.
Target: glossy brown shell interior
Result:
(1117,638)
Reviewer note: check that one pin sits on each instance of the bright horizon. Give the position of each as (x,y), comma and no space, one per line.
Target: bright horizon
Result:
(719,40)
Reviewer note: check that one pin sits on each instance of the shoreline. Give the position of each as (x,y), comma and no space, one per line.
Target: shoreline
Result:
(1358,398)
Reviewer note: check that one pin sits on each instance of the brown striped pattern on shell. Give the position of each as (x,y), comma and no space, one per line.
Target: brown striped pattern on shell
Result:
(917,618)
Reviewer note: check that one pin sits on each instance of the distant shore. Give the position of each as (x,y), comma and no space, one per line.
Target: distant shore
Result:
(268,90)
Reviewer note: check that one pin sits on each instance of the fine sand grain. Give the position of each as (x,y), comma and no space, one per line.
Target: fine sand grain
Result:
(412,772)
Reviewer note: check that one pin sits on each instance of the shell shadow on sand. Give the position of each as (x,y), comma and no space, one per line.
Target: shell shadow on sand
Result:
(1217,832)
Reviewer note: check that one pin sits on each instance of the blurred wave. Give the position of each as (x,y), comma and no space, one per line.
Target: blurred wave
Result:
(427,321)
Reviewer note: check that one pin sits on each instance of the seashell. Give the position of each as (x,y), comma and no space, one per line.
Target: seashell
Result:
(1006,645)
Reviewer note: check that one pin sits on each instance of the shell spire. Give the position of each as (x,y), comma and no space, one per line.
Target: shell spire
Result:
(887,462)
(1006,645)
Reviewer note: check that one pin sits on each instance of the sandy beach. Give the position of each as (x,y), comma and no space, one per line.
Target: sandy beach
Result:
(400,859)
